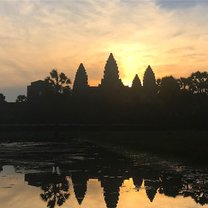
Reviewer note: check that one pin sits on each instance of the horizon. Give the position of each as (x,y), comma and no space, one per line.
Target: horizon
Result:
(38,36)
(12,97)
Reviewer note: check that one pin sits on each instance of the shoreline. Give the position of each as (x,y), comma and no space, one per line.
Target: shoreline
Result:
(186,145)
(99,126)
(190,145)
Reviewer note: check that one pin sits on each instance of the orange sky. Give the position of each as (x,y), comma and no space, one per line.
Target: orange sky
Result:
(38,35)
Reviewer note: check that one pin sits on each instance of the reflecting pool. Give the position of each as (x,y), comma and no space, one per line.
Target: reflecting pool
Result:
(78,174)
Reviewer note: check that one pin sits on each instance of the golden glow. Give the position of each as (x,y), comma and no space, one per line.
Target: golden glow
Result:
(37,36)
(22,195)
(130,59)
(131,198)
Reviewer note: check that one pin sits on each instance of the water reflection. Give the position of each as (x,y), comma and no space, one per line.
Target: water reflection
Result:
(55,190)
(55,177)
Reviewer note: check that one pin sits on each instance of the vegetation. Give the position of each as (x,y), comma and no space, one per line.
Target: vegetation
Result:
(59,82)
(21,99)
(2,98)
(196,83)
(169,88)
(166,103)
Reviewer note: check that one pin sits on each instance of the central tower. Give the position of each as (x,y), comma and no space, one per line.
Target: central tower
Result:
(111,74)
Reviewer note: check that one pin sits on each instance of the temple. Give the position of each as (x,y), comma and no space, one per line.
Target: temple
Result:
(79,181)
(81,81)
(111,75)
(111,170)
(109,85)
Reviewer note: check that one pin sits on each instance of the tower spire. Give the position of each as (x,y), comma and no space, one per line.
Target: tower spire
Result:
(149,82)
(136,83)
(81,80)
(111,73)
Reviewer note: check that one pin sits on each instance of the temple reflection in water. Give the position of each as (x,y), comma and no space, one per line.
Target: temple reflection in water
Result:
(73,169)
(111,170)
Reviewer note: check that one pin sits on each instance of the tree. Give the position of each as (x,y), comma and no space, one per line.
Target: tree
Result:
(56,192)
(169,87)
(59,81)
(199,82)
(149,82)
(21,99)
(184,83)
(81,80)
(2,98)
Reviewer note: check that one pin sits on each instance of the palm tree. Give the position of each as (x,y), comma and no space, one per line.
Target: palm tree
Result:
(59,82)
(56,192)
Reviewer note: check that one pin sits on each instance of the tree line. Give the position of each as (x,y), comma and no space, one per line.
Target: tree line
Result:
(166,101)
(166,87)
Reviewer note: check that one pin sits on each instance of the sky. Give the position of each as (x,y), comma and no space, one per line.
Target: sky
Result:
(37,36)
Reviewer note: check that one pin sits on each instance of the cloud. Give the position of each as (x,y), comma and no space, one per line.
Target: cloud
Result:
(39,35)
(178,4)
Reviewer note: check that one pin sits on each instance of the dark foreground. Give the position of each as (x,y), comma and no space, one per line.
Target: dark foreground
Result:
(185,144)
(74,173)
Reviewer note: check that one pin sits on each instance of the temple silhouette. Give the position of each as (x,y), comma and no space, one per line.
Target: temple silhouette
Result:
(79,180)
(111,170)
(110,83)
(166,103)
(171,185)
(70,170)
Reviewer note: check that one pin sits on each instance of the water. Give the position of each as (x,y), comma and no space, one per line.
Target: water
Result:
(81,175)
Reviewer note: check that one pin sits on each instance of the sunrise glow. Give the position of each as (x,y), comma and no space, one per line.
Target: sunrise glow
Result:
(39,36)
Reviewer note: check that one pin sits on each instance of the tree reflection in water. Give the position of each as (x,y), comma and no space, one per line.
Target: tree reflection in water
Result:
(84,162)
(55,191)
